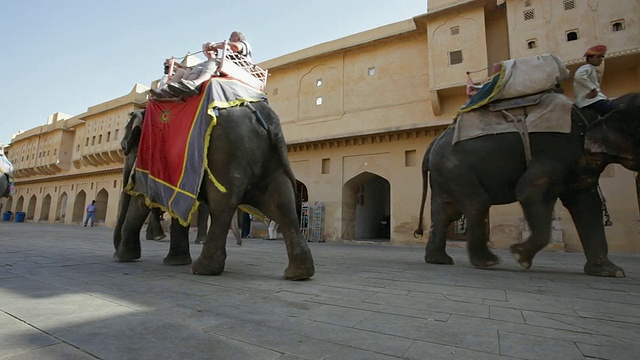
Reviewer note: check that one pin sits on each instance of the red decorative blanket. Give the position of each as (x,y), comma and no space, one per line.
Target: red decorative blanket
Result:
(171,155)
(173,146)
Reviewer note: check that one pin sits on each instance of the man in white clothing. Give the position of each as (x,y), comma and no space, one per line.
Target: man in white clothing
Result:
(586,83)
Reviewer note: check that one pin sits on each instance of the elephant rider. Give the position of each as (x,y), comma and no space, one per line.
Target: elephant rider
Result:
(238,44)
(185,81)
(586,83)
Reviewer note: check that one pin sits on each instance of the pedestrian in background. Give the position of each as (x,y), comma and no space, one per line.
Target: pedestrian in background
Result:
(91,213)
(273,230)
(246,225)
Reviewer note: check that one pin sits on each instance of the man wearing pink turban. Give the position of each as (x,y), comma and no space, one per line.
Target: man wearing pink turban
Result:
(586,83)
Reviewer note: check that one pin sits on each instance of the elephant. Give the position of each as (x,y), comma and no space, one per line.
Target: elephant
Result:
(4,185)
(467,177)
(247,153)
(154,231)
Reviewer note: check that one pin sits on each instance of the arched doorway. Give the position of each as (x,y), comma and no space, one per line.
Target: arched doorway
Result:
(302,195)
(61,210)
(31,209)
(78,206)
(46,206)
(366,208)
(9,204)
(20,203)
(102,201)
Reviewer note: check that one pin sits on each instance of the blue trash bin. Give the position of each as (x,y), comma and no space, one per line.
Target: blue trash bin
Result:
(6,216)
(20,215)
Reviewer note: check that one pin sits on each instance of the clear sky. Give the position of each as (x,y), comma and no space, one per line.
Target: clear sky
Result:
(67,55)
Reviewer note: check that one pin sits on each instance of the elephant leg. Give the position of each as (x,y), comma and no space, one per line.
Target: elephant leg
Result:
(278,203)
(473,201)
(179,253)
(586,210)
(125,200)
(478,237)
(214,253)
(442,213)
(154,230)
(537,193)
(203,219)
(129,248)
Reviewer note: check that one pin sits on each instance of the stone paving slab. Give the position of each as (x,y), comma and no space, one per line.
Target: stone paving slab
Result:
(63,297)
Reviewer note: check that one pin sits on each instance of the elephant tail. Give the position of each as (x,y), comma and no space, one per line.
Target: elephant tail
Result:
(425,189)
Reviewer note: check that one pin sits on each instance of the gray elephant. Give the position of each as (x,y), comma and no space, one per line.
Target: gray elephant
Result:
(470,176)
(154,231)
(247,153)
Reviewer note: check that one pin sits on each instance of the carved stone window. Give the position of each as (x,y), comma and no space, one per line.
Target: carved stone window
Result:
(569,4)
(529,15)
(455,57)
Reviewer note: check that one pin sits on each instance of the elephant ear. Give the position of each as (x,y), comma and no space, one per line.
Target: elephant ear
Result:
(132,131)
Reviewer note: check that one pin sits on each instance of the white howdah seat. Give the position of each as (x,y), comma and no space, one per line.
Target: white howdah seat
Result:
(234,65)
(239,67)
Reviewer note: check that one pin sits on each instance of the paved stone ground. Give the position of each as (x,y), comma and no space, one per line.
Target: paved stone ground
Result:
(63,297)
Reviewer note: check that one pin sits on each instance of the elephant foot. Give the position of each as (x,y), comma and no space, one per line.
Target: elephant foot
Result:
(483,259)
(202,267)
(301,265)
(200,240)
(438,257)
(127,256)
(174,260)
(160,237)
(522,254)
(605,268)
(300,272)
(434,254)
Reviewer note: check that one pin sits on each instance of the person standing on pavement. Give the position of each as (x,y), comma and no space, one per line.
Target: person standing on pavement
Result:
(91,213)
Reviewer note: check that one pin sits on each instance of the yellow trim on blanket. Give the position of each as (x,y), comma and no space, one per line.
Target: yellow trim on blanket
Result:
(253,211)
(154,205)
(214,121)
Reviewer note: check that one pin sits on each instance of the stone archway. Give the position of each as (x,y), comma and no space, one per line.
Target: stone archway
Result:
(19,203)
(102,201)
(31,208)
(78,206)
(46,207)
(61,210)
(9,204)
(366,208)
